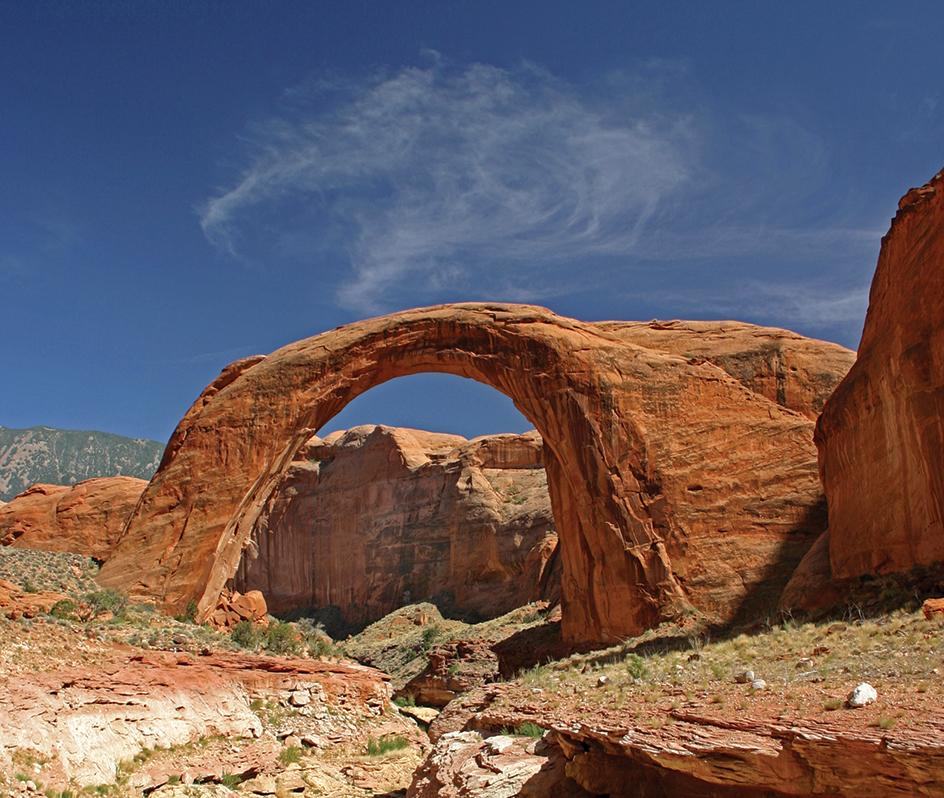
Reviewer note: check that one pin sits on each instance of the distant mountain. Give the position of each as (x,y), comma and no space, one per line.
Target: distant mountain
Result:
(64,457)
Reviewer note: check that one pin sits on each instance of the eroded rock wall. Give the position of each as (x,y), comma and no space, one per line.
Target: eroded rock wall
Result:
(86,519)
(881,434)
(376,517)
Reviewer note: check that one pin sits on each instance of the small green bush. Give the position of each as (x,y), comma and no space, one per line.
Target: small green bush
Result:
(62,609)
(529,729)
(290,755)
(281,638)
(245,635)
(405,701)
(431,634)
(386,744)
(106,601)
(230,780)
(189,615)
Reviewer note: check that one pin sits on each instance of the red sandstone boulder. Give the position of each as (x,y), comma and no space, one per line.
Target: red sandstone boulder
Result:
(234,607)
(86,519)
(881,434)
(376,517)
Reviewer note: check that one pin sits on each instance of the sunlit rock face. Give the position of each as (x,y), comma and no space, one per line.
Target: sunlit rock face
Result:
(377,517)
(881,435)
(676,482)
(86,518)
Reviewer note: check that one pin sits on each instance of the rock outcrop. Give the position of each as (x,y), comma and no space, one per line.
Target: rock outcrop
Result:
(89,720)
(674,483)
(654,746)
(881,434)
(84,519)
(377,517)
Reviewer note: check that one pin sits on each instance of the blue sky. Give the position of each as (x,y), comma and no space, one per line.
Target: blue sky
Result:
(186,183)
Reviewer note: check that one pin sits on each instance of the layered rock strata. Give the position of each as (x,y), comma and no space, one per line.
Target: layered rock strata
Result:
(881,434)
(377,517)
(674,484)
(86,518)
(90,720)
(653,748)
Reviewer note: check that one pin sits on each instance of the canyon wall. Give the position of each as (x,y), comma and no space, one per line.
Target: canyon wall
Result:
(676,484)
(881,434)
(376,517)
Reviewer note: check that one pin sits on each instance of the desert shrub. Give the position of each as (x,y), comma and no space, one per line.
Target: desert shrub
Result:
(290,755)
(405,701)
(62,609)
(637,667)
(104,601)
(529,729)
(431,635)
(230,780)
(281,638)
(245,635)
(386,744)
(189,615)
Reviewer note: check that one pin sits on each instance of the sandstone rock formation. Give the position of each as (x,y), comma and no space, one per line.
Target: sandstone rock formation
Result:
(655,747)
(673,483)
(377,517)
(881,434)
(88,720)
(85,519)
(232,608)
(500,766)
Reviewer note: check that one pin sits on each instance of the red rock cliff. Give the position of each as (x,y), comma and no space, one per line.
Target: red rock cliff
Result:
(881,434)
(85,519)
(376,517)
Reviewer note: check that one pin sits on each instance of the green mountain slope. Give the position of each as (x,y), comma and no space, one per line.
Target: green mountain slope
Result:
(64,457)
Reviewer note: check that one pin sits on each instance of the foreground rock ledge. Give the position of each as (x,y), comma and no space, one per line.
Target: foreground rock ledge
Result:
(675,482)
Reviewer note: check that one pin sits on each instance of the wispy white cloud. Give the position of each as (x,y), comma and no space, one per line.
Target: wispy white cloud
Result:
(434,174)
(431,184)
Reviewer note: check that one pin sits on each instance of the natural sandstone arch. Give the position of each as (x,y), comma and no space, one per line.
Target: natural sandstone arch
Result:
(654,460)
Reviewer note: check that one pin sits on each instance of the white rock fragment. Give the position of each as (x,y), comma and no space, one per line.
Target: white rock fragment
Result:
(758,684)
(862,695)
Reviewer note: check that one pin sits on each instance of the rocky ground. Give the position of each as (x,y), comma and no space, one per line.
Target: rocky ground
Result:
(109,699)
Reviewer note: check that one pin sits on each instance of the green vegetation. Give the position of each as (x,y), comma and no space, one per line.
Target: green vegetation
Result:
(529,729)
(281,638)
(290,755)
(245,635)
(61,457)
(103,601)
(385,745)
(189,615)
(405,701)
(230,780)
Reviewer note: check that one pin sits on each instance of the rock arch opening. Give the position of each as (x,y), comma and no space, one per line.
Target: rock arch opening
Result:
(370,517)
(632,415)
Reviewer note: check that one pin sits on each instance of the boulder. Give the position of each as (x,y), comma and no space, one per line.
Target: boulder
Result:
(676,484)
(86,519)
(377,517)
(881,434)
